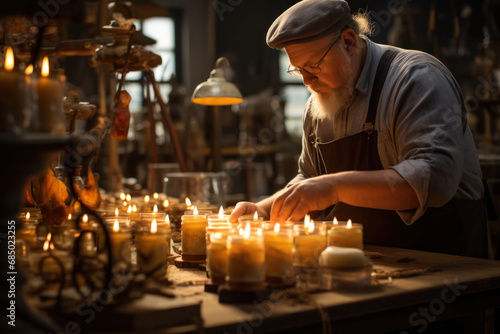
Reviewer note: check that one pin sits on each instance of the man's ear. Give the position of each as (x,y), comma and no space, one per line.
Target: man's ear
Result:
(350,40)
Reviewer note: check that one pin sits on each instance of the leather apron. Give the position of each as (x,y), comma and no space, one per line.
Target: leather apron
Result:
(458,227)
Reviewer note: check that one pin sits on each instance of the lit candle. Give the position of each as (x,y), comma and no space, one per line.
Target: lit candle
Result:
(121,238)
(254,220)
(217,256)
(346,235)
(50,101)
(152,249)
(246,260)
(14,115)
(310,241)
(193,236)
(279,255)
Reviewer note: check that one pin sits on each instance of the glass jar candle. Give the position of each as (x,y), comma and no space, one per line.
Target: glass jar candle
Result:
(153,246)
(193,240)
(279,253)
(246,260)
(346,234)
(217,256)
(120,235)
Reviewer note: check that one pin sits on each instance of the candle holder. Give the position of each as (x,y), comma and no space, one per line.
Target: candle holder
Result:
(279,248)
(193,241)
(345,234)
(246,260)
(153,244)
(309,243)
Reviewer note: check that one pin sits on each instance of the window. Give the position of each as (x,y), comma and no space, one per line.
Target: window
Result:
(295,94)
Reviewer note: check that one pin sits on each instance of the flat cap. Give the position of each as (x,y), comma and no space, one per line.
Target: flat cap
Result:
(308,20)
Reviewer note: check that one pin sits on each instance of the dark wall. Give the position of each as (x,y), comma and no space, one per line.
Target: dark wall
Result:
(241,27)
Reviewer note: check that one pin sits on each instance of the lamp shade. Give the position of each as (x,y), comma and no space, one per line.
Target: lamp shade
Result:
(216,91)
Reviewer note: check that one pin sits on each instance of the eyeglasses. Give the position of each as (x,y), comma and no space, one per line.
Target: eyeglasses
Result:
(311,69)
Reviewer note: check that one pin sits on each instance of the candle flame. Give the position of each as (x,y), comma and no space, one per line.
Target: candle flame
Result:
(310,229)
(85,218)
(216,235)
(125,203)
(241,231)
(307,221)
(122,196)
(116,212)
(167,219)
(259,231)
(134,208)
(188,202)
(146,199)
(70,216)
(255,216)
(116,226)
(195,211)
(128,197)
(221,212)
(335,221)
(45,67)
(277,227)
(155,195)
(246,234)
(28,215)
(9,59)
(155,208)
(154,226)
(165,203)
(28,70)
(129,209)
(47,242)
(349,224)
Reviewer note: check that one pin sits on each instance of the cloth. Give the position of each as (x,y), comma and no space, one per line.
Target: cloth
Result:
(422,129)
(308,20)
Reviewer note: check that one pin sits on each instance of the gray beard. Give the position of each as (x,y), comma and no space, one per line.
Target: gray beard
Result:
(328,105)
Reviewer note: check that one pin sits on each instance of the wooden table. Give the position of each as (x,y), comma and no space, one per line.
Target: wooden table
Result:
(460,286)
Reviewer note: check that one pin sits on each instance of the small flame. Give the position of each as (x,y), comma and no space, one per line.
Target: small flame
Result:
(47,242)
(146,199)
(167,220)
(195,211)
(85,218)
(129,209)
(277,227)
(217,235)
(155,208)
(307,221)
(246,234)
(188,202)
(28,215)
(70,216)
(28,70)
(165,203)
(155,195)
(154,226)
(9,59)
(122,196)
(128,198)
(259,231)
(134,208)
(255,216)
(125,203)
(116,212)
(310,229)
(45,67)
(221,212)
(335,221)
(116,226)
(241,231)
(349,224)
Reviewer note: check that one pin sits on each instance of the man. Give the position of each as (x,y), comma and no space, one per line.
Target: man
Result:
(385,142)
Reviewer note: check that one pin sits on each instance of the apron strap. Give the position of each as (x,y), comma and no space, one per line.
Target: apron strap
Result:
(378,84)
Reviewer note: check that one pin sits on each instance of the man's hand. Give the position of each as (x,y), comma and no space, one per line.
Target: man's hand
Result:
(246,208)
(313,194)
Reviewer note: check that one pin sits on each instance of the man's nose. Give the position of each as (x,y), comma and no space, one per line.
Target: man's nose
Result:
(308,78)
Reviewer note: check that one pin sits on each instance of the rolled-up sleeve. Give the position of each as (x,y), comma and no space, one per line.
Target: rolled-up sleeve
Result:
(429,121)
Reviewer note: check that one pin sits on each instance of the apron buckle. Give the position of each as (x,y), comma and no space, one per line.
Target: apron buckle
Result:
(368,127)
